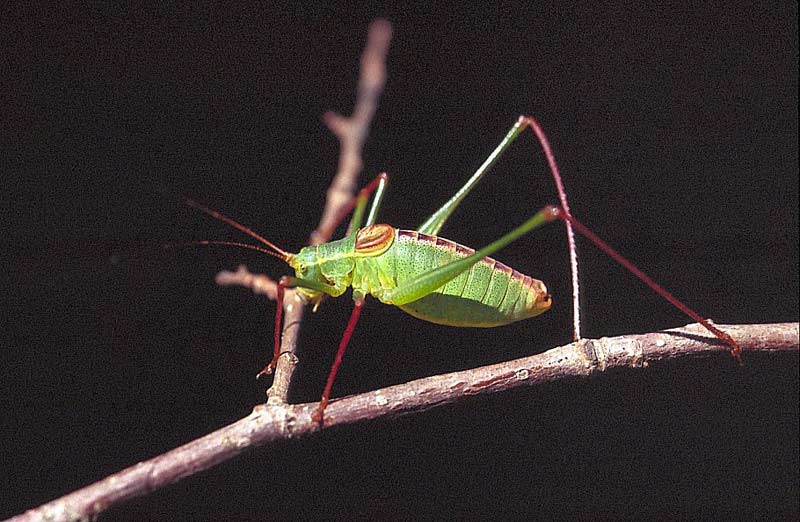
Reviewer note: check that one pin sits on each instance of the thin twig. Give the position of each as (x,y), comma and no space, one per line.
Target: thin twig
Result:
(258,283)
(352,133)
(272,422)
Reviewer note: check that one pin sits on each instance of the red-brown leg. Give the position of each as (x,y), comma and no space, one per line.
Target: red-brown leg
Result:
(278,316)
(351,325)
(529,121)
(736,350)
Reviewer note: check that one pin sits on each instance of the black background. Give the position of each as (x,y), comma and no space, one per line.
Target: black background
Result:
(676,132)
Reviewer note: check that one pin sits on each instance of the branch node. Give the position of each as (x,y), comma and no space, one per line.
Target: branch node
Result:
(337,124)
(591,353)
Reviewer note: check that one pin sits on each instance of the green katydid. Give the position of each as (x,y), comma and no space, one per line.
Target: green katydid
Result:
(429,277)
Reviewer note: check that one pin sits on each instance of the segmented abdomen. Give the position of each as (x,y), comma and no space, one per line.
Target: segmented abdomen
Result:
(488,294)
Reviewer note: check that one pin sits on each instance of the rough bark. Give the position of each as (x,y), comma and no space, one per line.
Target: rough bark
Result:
(270,422)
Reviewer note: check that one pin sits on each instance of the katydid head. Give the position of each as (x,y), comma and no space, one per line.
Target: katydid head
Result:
(306,266)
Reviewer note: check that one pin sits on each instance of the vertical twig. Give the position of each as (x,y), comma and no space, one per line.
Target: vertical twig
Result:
(352,133)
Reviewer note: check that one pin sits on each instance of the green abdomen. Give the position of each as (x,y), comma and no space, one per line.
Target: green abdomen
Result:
(488,294)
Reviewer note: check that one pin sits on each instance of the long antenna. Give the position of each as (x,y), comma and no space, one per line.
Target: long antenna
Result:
(225,219)
(280,256)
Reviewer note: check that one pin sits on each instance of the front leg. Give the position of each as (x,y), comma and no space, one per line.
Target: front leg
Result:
(318,414)
(294,282)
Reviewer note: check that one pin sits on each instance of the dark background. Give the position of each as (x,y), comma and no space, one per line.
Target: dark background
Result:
(676,132)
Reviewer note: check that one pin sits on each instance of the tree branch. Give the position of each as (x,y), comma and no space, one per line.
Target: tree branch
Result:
(271,422)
